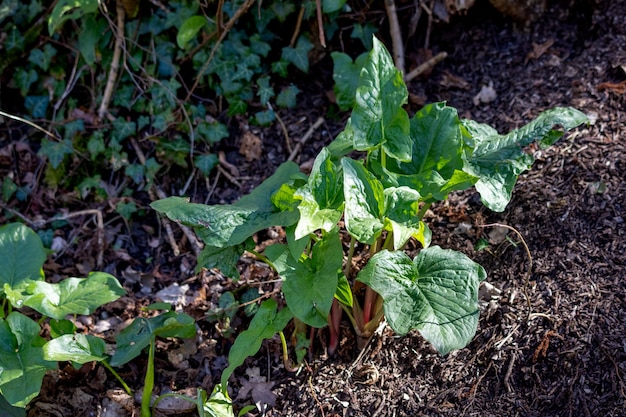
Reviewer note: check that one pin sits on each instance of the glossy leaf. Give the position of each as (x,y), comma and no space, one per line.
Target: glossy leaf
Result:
(226,225)
(401,217)
(23,256)
(322,197)
(436,293)
(73,295)
(497,160)
(79,348)
(344,291)
(265,324)
(22,366)
(364,199)
(310,282)
(224,259)
(69,9)
(378,118)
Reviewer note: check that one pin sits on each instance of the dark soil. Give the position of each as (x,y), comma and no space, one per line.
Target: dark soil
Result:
(552,336)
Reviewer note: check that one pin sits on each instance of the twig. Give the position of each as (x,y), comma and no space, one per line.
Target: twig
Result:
(115,62)
(319,404)
(284,128)
(396,34)
(212,189)
(426,66)
(320,23)
(242,9)
(509,371)
(305,138)
(296,31)
(228,176)
(29,123)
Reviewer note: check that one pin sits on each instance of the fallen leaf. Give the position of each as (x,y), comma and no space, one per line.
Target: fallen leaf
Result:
(487,94)
(251,146)
(538,50)
(450,80)
(256,387)
(618,88)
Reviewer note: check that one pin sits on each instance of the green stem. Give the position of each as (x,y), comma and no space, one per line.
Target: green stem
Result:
(286,360)
(388,241)
(148,384)
(423,210)
(118,377)
(263,258)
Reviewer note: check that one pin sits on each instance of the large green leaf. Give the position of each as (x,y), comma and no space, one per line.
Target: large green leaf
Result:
(79,348)
(22,255)
(310,282)
(364,199)
(265,324)
(224,259)
(435,168)
(497,160)
(227,225)
(73,295)
(22,366)
(378,118)
(322,197)
(133,339)
(436,293)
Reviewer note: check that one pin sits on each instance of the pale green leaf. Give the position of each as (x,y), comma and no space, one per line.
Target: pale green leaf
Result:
(401,216)
(189,29)
(364,202)
(79,348)
(73,295)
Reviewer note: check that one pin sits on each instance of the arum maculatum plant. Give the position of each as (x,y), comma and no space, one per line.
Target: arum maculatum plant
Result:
(373,204)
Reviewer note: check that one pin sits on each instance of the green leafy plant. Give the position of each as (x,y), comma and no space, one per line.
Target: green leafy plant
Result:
(375,205)
(25,356)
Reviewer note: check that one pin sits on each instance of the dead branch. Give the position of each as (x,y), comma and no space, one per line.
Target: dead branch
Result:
(115,63)
(396,34)
(320,23)
(426,66)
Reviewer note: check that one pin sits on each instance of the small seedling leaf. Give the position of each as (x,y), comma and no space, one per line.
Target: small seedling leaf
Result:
(265,324)
(189,29)
(436,293)
(79,348)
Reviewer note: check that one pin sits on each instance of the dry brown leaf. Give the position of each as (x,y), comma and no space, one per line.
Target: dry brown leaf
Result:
(539,49)
(251,146)
(450,80)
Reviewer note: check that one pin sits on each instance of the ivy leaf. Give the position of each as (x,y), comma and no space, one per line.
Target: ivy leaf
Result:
(23,256)
(281,67)
(24,79)
(364,201)
(497,160)
(37,106)
(226,225)
(287,97)
(21,356)
(42,57)
(436,293)
(378,118)
(73,295)
(265,324)
(265,91)
(331,6)
(212,132)
(282,9)
(346,77)
(79,348)
(205,163)
(123,129)
(299,55)
(265,117)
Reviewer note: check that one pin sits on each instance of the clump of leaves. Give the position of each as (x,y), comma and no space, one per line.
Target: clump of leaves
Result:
(377,204)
